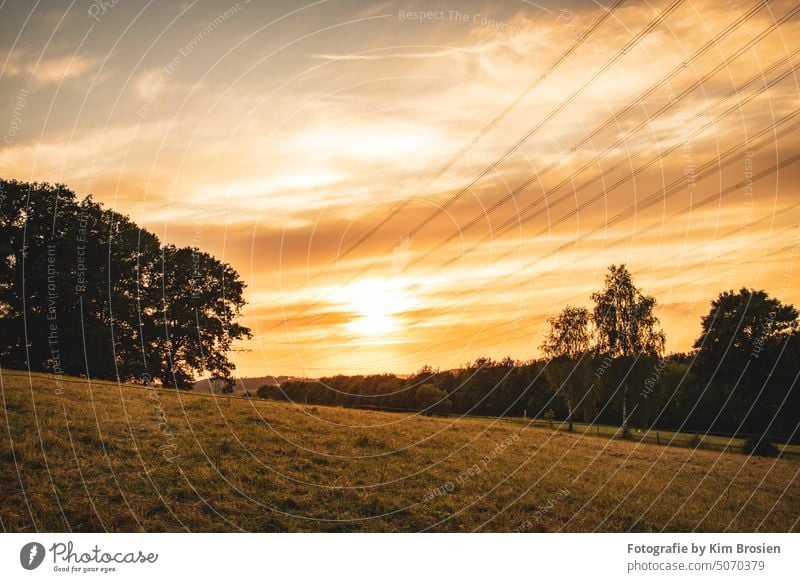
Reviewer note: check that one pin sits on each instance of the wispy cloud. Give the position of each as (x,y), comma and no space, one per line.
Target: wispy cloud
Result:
(423,53)
(60,69)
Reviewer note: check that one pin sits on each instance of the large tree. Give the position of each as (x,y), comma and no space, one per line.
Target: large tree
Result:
(200,301)
(748,356)
(627,333)
(567,345)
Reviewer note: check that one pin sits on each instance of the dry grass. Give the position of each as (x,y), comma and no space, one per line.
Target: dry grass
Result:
(102,457)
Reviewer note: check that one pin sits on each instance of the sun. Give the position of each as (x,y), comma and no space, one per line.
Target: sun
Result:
(375,305)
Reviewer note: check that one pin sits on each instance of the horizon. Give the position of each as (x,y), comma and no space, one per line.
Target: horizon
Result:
(313,153)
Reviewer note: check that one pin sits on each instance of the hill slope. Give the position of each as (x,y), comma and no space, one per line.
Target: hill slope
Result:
(124,458)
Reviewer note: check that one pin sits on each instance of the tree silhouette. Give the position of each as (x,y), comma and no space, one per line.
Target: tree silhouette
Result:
(627,332)
(749,352)
(567,344)
(626,325)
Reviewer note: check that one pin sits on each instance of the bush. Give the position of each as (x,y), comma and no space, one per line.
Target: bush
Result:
(760,447)
(265,391)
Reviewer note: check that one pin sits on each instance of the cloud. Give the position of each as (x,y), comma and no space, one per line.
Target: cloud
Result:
(437,54)
(148,83)
(60,69)
(48,71)
(11,64)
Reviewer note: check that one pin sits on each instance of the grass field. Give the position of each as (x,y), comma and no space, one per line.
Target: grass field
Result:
(81,457)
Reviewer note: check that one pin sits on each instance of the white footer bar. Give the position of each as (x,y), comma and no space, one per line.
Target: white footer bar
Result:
(400,557)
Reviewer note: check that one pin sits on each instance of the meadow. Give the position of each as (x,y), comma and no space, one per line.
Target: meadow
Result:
(100,456)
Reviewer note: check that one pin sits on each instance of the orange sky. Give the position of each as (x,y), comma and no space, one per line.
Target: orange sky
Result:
(278,137)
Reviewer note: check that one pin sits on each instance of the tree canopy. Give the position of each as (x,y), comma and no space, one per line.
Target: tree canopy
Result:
(567,344)
(569,335)
(748,358)
(623,314)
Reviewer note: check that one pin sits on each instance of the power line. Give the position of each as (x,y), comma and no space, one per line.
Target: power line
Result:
(521,187)
(511,106)
(709,168)
(563,104)
(517,221)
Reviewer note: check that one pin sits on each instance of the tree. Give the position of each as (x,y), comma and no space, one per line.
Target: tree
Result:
(34,221)
(567,344)
(201,299)
(627,331)
(748,355)
(624,319)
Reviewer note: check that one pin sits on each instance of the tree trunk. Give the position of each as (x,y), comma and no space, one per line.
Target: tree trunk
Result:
(625,412)
(569,412)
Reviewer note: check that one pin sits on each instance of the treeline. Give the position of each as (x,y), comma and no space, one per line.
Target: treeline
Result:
(606,365)
(87,292)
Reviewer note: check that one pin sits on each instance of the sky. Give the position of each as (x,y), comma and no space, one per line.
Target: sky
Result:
(406,183)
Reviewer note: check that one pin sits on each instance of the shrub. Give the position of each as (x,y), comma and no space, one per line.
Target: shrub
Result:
(265,391)
(760,447)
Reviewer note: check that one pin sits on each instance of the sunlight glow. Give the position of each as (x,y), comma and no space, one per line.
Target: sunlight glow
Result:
(376,306)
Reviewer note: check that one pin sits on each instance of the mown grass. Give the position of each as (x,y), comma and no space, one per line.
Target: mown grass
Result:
(96,457)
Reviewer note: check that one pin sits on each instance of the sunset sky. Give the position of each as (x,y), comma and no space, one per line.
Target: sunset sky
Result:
(327,151)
